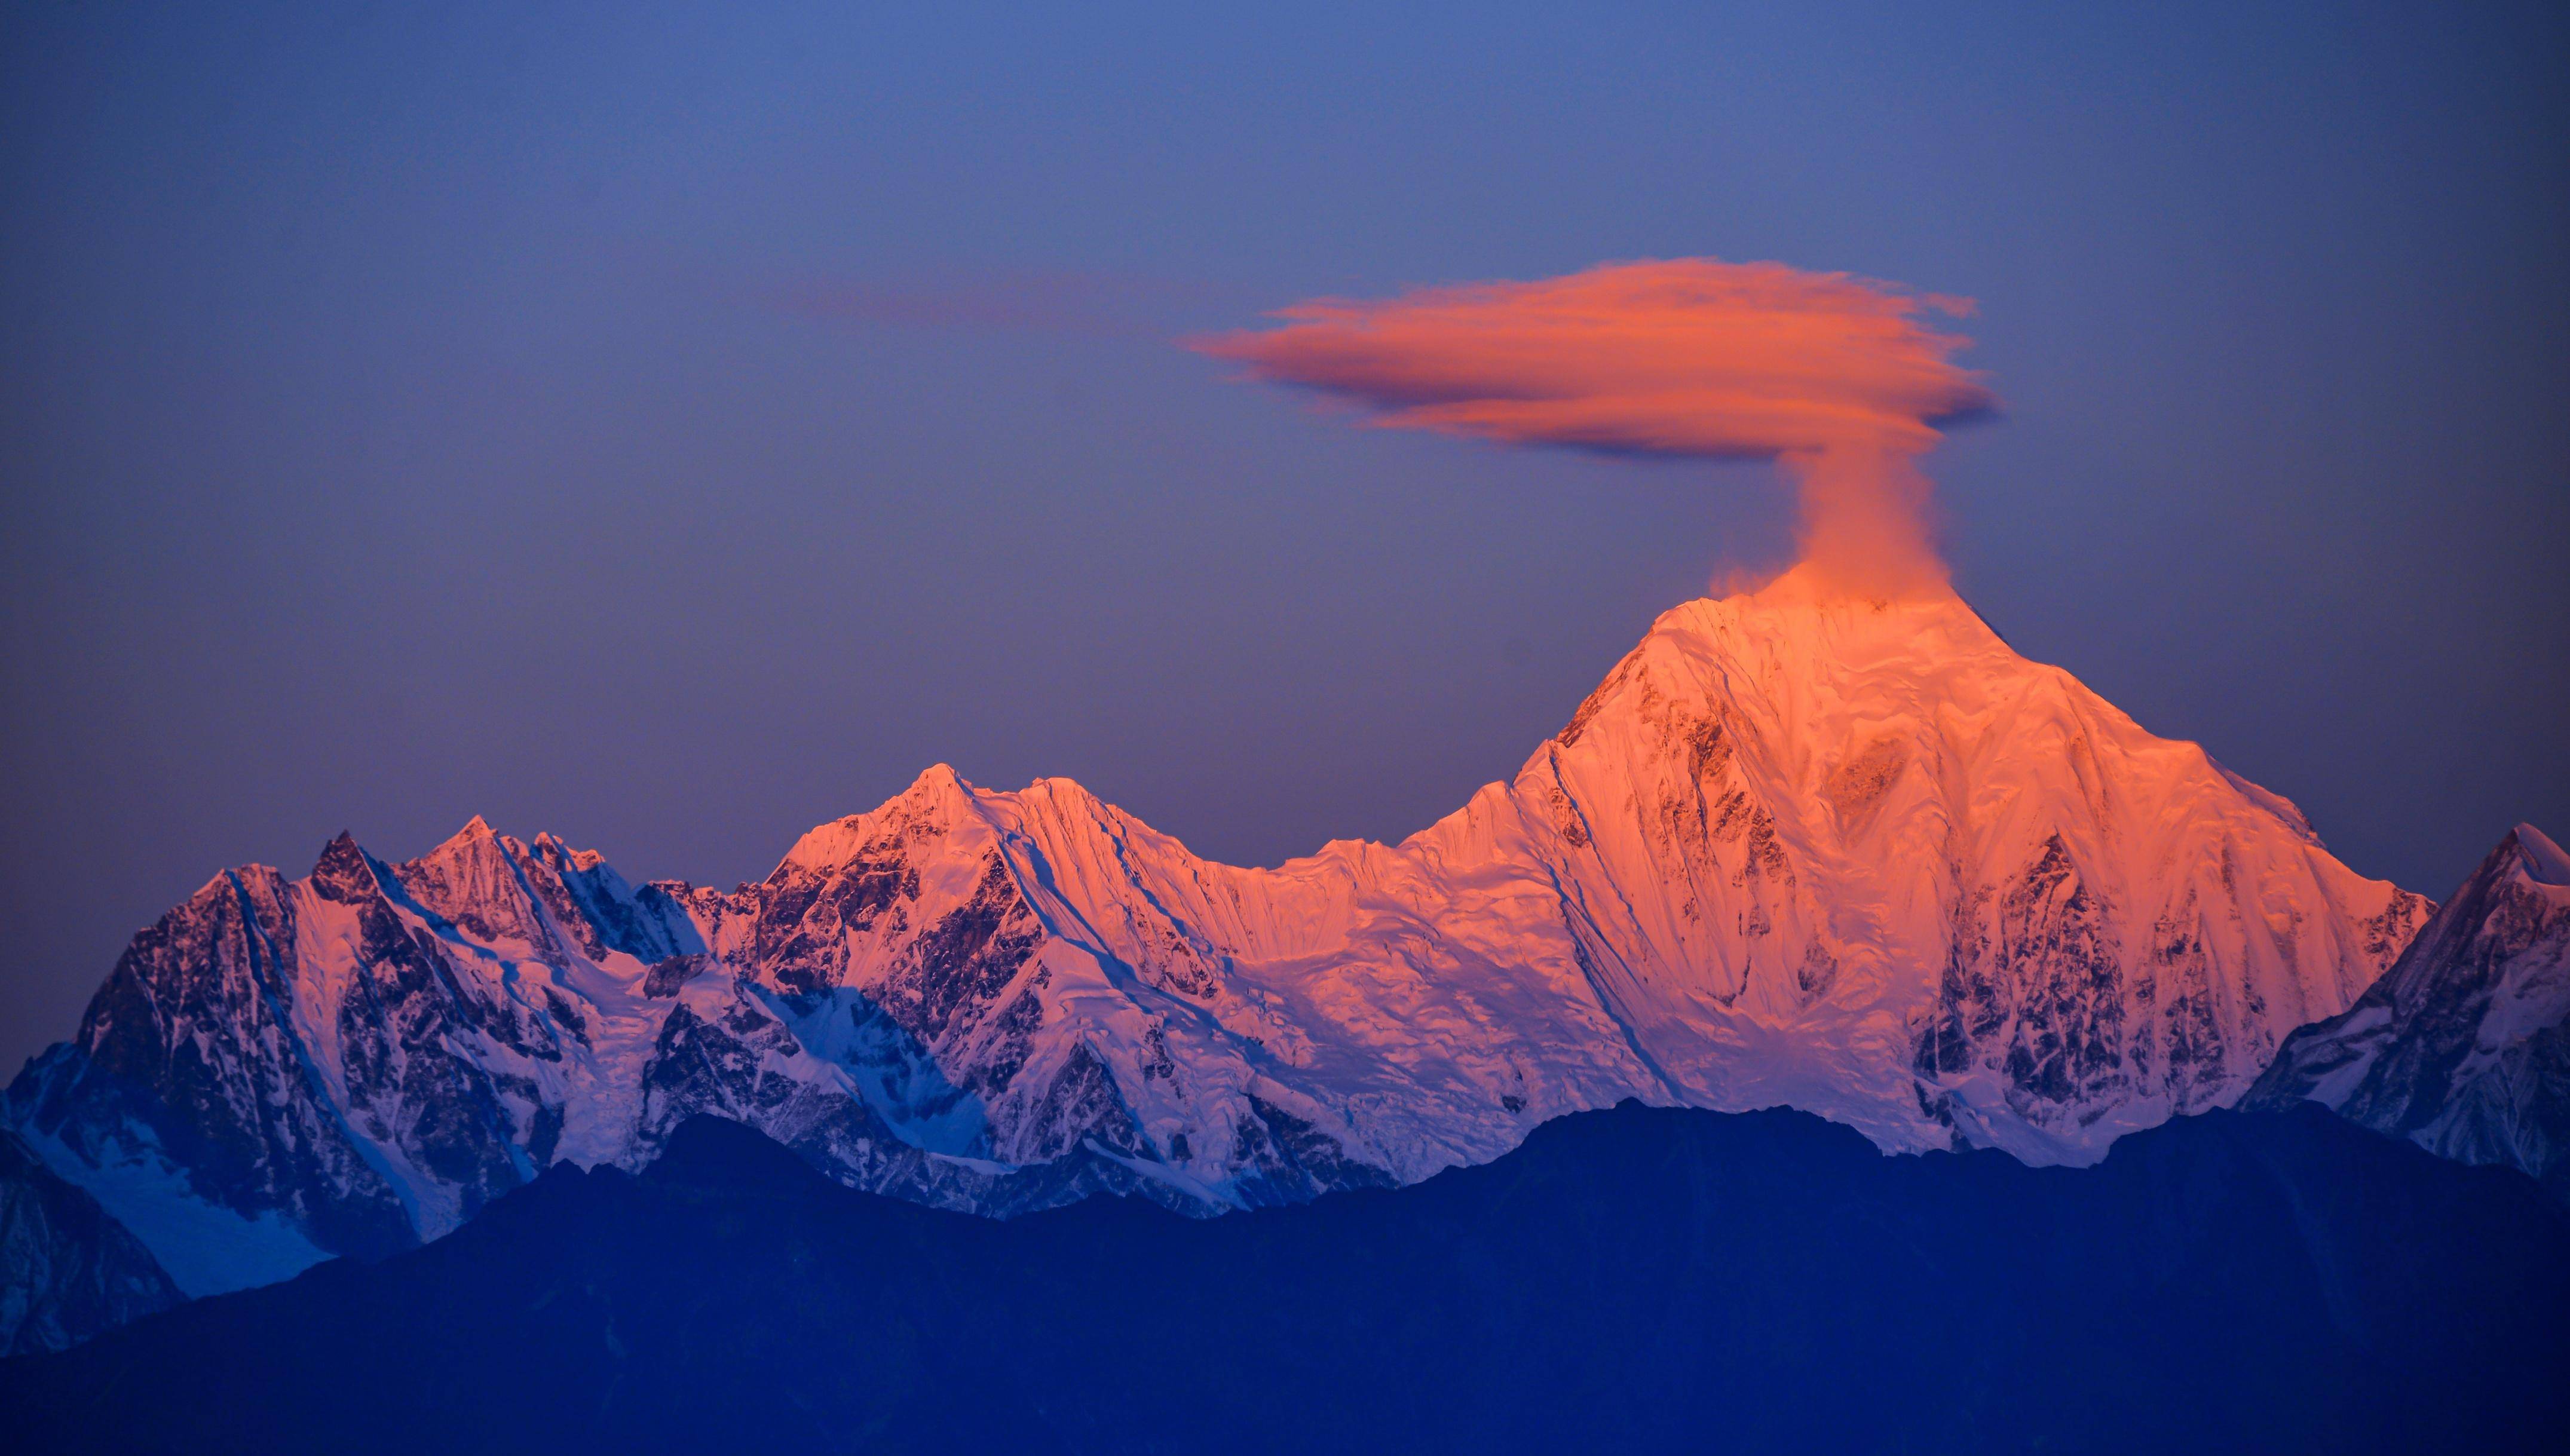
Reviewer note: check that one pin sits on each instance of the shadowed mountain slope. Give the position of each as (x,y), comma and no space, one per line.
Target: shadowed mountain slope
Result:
(2463,1045)
(75,1270)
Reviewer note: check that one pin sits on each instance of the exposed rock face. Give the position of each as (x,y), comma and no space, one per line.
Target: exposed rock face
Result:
(1857,857)
(73,1271)
(2463,1046)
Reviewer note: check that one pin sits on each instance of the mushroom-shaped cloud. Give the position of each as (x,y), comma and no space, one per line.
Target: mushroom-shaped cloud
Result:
(1835,376)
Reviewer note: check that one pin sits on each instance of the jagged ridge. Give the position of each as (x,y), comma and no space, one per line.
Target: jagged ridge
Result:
(1852,856)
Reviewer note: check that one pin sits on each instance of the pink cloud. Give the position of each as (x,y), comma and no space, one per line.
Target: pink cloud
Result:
(1835,376)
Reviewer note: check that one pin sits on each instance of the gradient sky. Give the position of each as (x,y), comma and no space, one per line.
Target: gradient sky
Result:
(673,429)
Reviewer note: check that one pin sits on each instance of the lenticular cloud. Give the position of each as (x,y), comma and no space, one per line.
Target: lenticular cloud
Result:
(1834,376)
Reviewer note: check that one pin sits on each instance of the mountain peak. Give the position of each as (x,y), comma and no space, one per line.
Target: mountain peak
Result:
(2457,1046)
(1843,854)
(342,872)
(477,851)
(476,833)
(1785,802)
(563,857)
(938,787)
(1805,610)
(937,797)
(718,1154)
(2546,863)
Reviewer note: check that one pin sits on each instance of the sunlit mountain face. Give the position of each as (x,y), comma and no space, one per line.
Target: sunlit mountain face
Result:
(1801,847)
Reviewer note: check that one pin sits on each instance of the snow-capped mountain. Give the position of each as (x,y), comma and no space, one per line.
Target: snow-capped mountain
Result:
(2463,1046)
(1853,857)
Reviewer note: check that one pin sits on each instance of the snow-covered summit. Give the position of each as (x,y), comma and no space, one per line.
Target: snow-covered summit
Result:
(2542,861)
(2463,1045)
(1851,856)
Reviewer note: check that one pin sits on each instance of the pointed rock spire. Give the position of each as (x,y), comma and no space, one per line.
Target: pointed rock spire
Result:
(343,871)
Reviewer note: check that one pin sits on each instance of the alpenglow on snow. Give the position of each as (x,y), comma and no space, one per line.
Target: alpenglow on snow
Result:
(1852,856)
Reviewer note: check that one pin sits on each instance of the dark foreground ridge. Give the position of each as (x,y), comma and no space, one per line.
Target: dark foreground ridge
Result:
(1633,1280)
(76,1269)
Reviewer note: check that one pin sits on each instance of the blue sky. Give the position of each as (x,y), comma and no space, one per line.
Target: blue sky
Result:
(673,427)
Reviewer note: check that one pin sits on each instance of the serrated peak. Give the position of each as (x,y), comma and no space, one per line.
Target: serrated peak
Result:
(342,872)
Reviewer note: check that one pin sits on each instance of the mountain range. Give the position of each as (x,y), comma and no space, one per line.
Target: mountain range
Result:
(1849,855)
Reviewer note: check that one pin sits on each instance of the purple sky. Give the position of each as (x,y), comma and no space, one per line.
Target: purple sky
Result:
(673,429)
